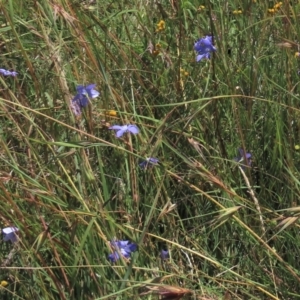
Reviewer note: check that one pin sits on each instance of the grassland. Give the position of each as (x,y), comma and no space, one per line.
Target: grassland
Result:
(71,186)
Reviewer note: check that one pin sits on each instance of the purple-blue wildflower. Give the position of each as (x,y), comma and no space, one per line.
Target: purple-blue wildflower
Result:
(241,158)
(204,47)
(10,234)
(8,73)
(164,254)
(125,128)
(122,247)
(81,100)
(149,162)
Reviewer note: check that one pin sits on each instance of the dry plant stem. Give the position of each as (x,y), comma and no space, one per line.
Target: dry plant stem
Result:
(10,256)
(251,192)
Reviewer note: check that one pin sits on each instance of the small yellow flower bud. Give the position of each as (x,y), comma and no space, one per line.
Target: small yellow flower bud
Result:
(237,12)
(112,113)
(4,283)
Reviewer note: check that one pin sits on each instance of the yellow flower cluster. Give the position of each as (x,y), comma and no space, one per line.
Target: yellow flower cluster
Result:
(201,8)
(160,26)
(3,283)
(237,12)
(275,8)
(112,113)
(156,50)
(184,72)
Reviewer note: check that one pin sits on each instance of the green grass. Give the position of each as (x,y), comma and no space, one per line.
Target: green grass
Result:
(71,186)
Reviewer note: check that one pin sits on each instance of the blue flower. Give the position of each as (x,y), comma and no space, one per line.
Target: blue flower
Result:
(8,73)
(204,47)
(241,158)
(149,162)
(82,97)
(122,247)
(10,234)
(125,128)
(164,254)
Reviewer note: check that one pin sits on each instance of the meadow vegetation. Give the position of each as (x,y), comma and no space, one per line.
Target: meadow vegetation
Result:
(220,196)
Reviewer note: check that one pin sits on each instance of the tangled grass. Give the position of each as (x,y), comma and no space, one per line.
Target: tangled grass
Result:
(71,186)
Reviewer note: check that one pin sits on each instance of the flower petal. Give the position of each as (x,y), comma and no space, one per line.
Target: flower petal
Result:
(200,57)
(133,129)
(119,244)
(113,257)
(143,164)
(9,230)
(92,93)
(81,89)
(75,108)
(8,73)
(90,86)
(116,127)
(10,234)
(164,254)
(149,162)
(133,247)
(120,133)
(83,100)
(153,160)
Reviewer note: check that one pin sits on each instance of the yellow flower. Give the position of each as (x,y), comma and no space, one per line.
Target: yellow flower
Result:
(184,72)
(3,283)
(201,8)
(271,10)
(297,54)
(160,26)
(112,113)
(277,5)
(158,46)
(297,147)
(237,12)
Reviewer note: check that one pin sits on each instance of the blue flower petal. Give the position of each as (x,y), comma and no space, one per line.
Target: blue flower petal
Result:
(164,254)
(116,127)
(133,247)
(241,158)
(201,56)
(113,257)
(75,108)
(120,133)
(122,247)
(149,162)
(92,93)
(10,234)
(119,244)
(83,100)
(203,47)
(8,73)
(133,129)
(125,128)
(80,89)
